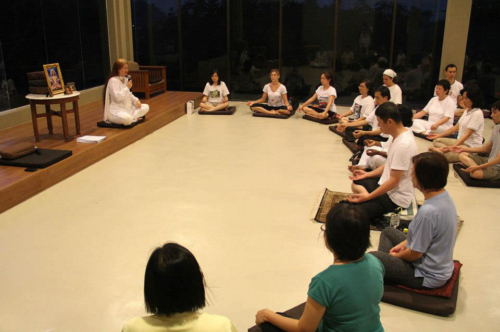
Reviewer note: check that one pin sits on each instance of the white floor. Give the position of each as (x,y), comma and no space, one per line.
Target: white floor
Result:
(236,190)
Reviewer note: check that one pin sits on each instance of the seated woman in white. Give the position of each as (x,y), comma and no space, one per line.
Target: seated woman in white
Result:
(325,95)
(470,127)
(276,96)
(363,105)
(215,94)
(441,111)
(120,105)
(396,93)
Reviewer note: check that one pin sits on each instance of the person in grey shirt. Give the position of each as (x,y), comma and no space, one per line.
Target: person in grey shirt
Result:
(424,258)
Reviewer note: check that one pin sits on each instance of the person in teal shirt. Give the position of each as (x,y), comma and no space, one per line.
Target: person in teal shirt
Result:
(346,295)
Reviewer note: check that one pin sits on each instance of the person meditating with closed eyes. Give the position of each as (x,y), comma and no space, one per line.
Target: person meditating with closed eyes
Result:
(276,95)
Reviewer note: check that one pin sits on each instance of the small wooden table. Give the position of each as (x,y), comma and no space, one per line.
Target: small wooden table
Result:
(60,99)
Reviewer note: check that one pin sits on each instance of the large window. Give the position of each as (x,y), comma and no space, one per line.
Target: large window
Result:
(204,42)
(254,31)
(482,61)
(417,55)
(156,36)
(308,43)
(354,39)
(33,33)
(363,45)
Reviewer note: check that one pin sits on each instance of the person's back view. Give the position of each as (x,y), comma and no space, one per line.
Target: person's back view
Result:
(174,292)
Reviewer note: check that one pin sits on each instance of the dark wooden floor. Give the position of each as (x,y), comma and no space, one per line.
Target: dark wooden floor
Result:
(16,185)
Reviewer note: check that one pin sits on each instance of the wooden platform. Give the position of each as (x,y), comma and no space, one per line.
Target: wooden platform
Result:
(16,185)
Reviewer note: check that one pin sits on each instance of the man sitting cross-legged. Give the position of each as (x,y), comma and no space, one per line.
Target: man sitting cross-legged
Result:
(367,128)
(424,258)
(389,186)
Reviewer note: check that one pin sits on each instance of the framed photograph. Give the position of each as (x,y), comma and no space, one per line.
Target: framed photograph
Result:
(72,86)
(54,78)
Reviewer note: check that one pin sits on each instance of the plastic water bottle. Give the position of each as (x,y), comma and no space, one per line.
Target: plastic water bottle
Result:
(395,219)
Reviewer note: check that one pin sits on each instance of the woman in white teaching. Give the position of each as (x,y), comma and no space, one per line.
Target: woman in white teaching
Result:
(120,105)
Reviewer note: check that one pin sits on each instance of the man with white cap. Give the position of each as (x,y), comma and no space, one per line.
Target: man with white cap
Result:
(396,93)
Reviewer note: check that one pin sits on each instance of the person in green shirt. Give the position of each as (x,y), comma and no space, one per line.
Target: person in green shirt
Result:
(346,295)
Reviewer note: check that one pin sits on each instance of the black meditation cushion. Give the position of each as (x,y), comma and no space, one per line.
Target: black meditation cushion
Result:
(295,312)
(350,145)
(327,121)
(276,116)
(470,182)
(104,124)
(334,130)
(434,305)
(229,111)
(46,158)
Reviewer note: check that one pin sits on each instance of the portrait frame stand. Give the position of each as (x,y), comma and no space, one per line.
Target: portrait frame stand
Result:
(60,99)
(54,79)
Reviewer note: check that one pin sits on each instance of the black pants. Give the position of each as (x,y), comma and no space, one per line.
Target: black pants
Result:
(397,271)
(270,108)
(321,110)
(362,139)
(375,208)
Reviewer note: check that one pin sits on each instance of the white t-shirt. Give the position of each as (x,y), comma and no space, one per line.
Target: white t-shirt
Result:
(275,98)
(362,107)
(472,120)
(401,151)
(186,322)
(396,94)
(455,89)
(437,110)
(324,95)
(216,93)
(373,122)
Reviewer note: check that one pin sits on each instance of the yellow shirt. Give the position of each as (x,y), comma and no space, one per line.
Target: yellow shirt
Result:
(185,322)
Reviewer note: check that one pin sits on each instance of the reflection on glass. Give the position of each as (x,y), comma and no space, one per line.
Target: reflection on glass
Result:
(204,42)
(69,56)
(254,45)
(6,87)
(72,33)
(156,36)
(482,61)
(417,48)
(363,45)
(307,49)
(23,46)
(94,41)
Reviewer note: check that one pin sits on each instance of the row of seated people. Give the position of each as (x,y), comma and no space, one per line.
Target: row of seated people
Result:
(274,99)
(122,107)
(344,296)
(439,127)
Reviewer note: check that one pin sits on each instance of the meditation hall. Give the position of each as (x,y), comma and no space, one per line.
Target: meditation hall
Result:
(260,165)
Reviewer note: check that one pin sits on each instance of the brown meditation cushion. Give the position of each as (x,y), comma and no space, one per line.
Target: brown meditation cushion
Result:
(17,151)
(444,291)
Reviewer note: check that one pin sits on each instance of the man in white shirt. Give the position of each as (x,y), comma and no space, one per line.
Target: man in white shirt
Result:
(389,186)
(450,72)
